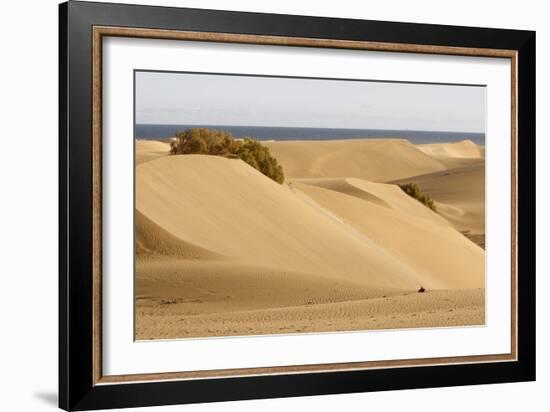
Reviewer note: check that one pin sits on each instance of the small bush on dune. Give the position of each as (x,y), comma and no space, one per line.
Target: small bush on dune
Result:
(220,143)
(413,190)
(258,156)
(203,141)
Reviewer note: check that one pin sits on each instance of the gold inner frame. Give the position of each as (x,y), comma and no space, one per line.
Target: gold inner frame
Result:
(101,31)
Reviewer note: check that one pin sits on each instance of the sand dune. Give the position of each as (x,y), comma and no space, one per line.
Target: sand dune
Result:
(436,251)
(376,160)
(153,240)
(225,206)
(459,194)
(462,149)
(147,150)
(223,250)
(456,154)
(386,195)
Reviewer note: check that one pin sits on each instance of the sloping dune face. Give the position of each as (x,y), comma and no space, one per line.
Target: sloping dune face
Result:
(381,194)
(459,194)
(153,240)
(378,160)
(368,233)
(147,150)
(227,207)
(421,238)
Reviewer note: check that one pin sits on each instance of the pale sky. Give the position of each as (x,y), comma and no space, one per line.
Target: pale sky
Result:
(205,99)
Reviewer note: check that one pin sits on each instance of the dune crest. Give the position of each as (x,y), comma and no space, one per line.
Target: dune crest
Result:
(344,186)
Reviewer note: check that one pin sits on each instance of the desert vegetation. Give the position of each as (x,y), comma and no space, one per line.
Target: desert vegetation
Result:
(222,143)
(413,190)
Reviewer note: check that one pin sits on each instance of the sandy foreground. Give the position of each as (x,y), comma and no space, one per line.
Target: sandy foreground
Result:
(223,250)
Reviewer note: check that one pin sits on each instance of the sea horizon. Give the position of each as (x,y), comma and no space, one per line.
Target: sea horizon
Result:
(159,131)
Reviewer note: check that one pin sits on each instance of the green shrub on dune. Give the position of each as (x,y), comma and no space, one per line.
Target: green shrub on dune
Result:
(221,143)
(203,141)
(258,156)
(413,190)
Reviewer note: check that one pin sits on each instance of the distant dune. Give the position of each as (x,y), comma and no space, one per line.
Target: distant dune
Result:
(455,154)
(453,174)
(224,250)
(377,160)
(459,194)
(147,150)
(462,149)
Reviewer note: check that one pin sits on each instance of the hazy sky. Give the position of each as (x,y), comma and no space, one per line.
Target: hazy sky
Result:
(181,98)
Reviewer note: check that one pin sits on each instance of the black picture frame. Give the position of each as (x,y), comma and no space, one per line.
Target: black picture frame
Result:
(77,390)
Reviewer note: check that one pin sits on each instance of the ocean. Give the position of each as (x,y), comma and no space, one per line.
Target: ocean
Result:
(156,131)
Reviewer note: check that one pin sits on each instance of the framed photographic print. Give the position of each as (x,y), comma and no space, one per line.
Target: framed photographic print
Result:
(257,205)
